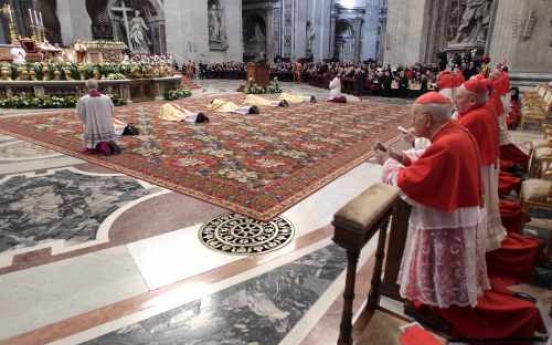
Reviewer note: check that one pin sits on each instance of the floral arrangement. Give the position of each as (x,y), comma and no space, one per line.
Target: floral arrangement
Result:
(252,88)
(171,95)
(29,101)
(72,71)
(26,101)
(115,76)
(149,59)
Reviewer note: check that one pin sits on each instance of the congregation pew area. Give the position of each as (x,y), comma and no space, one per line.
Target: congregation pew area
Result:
(350,85)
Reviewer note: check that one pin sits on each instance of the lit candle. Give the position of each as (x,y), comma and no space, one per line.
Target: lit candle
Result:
(31,16)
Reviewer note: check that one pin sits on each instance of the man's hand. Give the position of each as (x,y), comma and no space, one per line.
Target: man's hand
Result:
(381,153)
(407,135)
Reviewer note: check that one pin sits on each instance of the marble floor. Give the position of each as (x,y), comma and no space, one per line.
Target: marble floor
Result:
(89,256)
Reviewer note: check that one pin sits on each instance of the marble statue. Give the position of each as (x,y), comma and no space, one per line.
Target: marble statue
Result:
(475,22)
(139,41)
(310,37)
(215,21)
(258,36)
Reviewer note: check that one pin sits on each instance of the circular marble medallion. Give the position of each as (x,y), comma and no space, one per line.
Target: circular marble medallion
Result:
(236,234)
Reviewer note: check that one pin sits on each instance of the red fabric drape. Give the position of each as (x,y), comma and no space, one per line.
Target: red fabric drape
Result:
(515,260)
(508,183)
(497,316)
(512,153)
(511,215)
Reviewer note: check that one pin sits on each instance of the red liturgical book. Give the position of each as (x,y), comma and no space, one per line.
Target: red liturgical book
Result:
(414,334)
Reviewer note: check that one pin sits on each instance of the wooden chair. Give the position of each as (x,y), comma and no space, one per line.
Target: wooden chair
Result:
(536,106)
(537,193)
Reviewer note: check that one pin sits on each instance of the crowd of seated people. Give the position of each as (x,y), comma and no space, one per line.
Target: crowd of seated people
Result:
(358,78)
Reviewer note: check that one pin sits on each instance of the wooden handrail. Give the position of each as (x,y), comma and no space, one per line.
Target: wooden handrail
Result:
(374,211)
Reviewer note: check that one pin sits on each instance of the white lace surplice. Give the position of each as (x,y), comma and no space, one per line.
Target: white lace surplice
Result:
(444,258)
(496,232)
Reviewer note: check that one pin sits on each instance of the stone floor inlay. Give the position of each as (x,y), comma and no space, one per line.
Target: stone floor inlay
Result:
(236,234)
(261,310)
(64,205)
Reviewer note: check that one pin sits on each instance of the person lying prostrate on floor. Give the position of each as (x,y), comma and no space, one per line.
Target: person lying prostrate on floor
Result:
(263,102)
(445,193)
(296,98)
(221,106)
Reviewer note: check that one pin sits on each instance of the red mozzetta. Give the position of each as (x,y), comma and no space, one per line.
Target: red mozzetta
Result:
(446,166)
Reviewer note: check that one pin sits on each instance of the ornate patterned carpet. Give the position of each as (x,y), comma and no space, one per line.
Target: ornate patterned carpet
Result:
(256,165)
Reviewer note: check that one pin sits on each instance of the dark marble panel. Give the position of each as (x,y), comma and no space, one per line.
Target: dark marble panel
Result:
(66,205)
(259,311)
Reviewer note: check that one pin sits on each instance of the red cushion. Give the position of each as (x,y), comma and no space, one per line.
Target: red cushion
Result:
(497,315)
(515,259)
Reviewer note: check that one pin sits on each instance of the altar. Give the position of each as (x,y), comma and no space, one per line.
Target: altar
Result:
(260,74)
(131,90)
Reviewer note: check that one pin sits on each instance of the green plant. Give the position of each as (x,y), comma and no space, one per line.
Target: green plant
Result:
(252,88)
(24,101)
(117,100)
(171,95)
(115,76)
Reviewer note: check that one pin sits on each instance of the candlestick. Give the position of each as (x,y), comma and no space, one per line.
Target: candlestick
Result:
(31,16)
(10,12)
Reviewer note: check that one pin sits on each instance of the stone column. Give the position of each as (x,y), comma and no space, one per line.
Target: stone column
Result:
(357,25)
(74,21)
(270,35)
(300,29)
(404,32)
(522,35)
(333,20)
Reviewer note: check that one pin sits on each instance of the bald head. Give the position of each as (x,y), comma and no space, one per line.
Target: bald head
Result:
(91,84)
(429,117)
(467,100)
(439,112)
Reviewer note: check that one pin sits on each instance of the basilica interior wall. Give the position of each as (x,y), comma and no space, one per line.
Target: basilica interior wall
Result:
(523,35)
(187,30)
(403,38)
(74,20)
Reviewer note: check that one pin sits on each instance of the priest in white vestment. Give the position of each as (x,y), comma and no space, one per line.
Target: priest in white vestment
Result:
(95,110)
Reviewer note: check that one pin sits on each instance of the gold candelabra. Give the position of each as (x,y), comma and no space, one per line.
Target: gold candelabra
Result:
(6,10)
(37,25)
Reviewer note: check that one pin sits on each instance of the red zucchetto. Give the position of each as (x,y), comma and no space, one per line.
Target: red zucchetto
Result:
(477,86)
(432,98)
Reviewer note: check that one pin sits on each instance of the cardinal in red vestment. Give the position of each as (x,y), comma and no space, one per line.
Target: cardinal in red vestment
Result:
(444,260)
(479,119)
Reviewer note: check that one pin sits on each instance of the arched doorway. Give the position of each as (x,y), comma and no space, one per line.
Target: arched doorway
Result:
(52,26)
(344,41)
(254,37)
(108,21)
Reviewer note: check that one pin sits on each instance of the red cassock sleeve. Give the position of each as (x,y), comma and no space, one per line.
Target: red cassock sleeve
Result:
(483,125)
(495,104)
(446,177)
